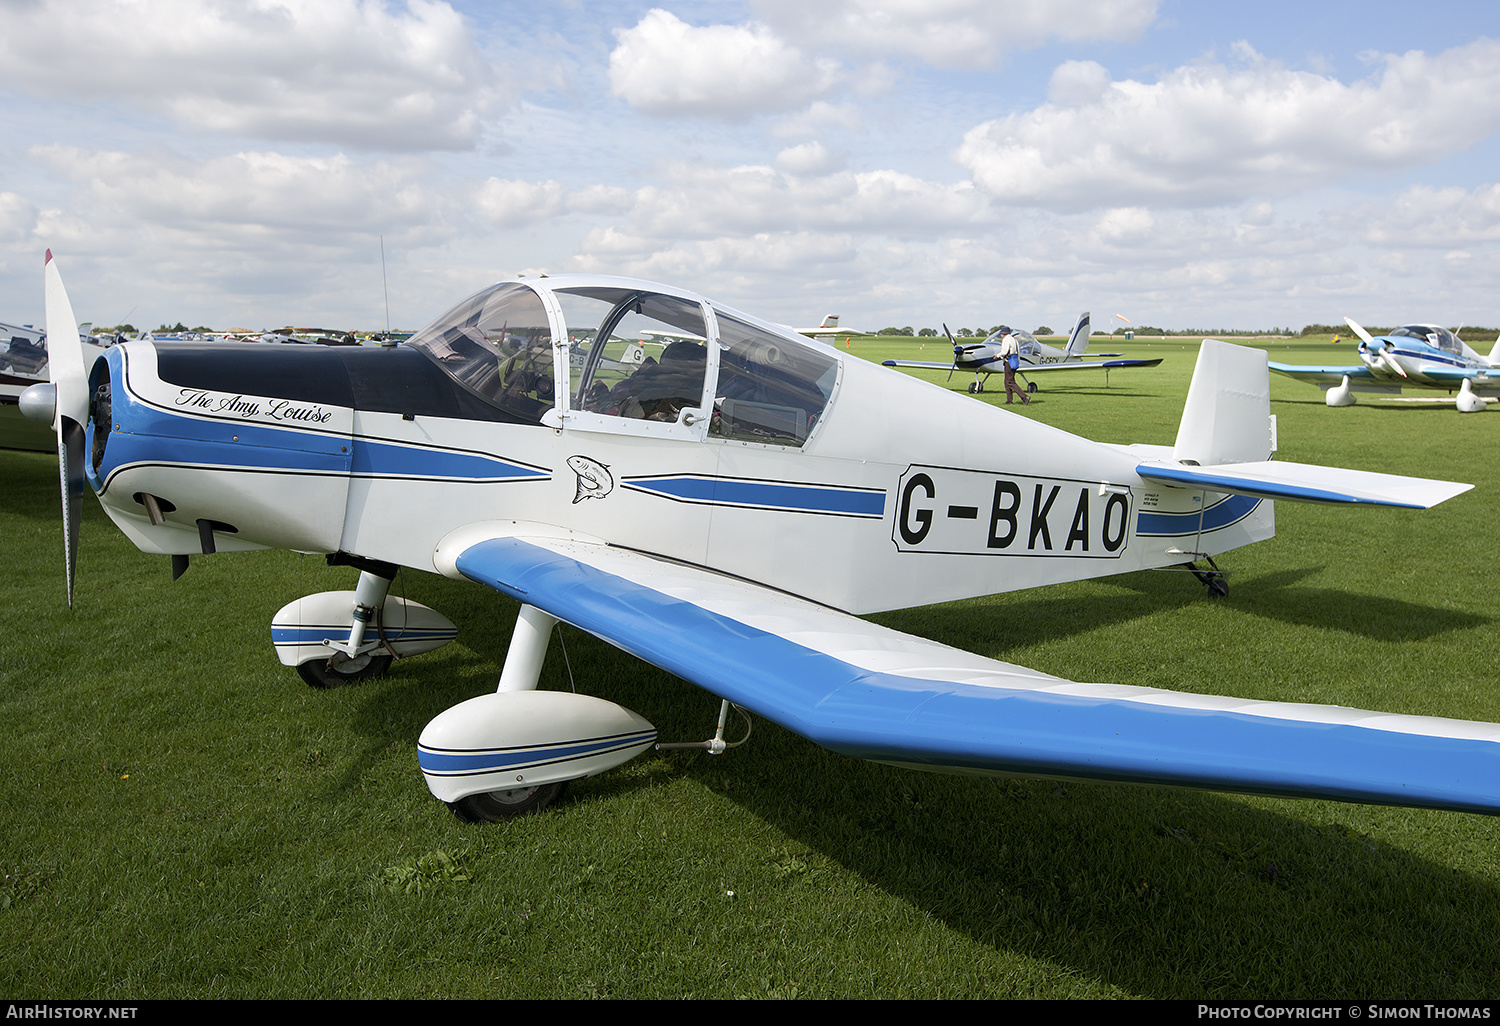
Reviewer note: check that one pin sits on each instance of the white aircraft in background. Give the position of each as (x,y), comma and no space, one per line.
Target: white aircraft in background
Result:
(984,359)
(724,513)
(829,326)
(23,363)
(1425,357)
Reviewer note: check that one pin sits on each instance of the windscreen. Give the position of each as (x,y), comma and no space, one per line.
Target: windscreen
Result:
(498,345)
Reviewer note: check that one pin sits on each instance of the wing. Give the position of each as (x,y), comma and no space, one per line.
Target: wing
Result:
(924,363)
(1484,380)
(873,693)
(1077,365)
(1322,375)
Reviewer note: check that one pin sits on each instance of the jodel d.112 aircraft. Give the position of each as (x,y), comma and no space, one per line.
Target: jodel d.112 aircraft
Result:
(724,511)
(1425,357)
(984,359)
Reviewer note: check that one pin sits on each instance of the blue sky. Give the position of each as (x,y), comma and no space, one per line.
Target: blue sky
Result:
(968,161)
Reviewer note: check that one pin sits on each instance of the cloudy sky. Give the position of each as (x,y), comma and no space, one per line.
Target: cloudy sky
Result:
(238,162)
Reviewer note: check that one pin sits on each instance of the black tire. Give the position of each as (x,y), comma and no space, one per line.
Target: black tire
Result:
(498,806)
(336,672)
(1031,387)
(1218,588)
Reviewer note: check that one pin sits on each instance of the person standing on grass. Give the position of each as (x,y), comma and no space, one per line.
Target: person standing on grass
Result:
(1010,353)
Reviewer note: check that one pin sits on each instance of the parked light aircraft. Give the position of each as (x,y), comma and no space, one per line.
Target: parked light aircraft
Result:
(23,363)
(1425,357)
(723,513)
(828,326)
(984,359)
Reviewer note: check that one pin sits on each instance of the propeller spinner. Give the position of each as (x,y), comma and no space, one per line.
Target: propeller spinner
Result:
(1374,357)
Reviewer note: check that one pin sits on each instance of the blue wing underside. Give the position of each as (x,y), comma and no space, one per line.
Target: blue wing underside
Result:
(872,693)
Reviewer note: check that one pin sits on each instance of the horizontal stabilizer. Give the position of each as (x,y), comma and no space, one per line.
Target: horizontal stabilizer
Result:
(1304,482)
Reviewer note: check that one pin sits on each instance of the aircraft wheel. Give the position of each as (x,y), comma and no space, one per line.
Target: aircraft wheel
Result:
(338,671)
(973,387)
(498,806)
(1218,588)
(1031,387)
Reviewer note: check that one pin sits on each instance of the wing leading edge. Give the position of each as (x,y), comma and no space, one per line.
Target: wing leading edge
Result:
(1086,364)
(997,365)
(873,693)
(1306,482)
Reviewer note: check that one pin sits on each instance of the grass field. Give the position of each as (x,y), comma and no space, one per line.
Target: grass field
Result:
(185,819)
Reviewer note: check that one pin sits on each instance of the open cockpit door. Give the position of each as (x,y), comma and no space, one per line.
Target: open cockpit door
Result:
(637,362)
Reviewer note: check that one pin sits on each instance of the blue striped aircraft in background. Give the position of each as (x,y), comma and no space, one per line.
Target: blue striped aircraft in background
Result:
(1424,357)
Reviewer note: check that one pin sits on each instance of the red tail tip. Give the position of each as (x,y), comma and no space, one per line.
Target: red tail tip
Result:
(48,260)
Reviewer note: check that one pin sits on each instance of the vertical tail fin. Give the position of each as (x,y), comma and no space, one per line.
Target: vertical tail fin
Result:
(1079,340)
(1227,417)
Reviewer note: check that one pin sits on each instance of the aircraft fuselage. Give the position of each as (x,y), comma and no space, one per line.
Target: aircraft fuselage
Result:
(375,452)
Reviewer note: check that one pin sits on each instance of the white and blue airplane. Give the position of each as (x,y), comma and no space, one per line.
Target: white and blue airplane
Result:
(984,359)
(725,512)
(1425,357)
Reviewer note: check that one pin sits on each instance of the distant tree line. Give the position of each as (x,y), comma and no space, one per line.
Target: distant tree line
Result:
(1467,333)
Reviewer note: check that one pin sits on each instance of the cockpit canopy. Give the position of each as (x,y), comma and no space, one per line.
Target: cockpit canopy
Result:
(1431,334)
(1025,340)
(610,348)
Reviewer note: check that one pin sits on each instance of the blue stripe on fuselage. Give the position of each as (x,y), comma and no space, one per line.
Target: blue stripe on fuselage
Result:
(1224,513)
(776,495)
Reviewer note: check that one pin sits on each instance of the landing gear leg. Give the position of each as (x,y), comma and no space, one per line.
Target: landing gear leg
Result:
(354,659)
(528,649)
(1212,577)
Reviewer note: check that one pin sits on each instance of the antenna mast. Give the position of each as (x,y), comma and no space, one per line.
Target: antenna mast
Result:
(384,288)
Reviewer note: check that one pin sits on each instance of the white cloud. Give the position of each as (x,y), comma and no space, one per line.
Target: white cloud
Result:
(1209,134)
(264,196)
(511,203)
(697,201)
(1078,84)
(347,72)
(704,202)
(665,66)
(1426,218)
(809,158)
(949,32)
(18,218)
(743,259)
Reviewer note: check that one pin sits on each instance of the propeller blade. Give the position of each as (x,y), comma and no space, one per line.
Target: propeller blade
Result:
(1393,363)
(1361,332)
(956,350)
(70,473)
(64,353)
(70,412)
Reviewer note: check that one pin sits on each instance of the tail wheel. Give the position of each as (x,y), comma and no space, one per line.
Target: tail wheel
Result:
(498,806)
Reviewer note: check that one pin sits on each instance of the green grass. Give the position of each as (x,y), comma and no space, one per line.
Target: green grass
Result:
(184,818)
